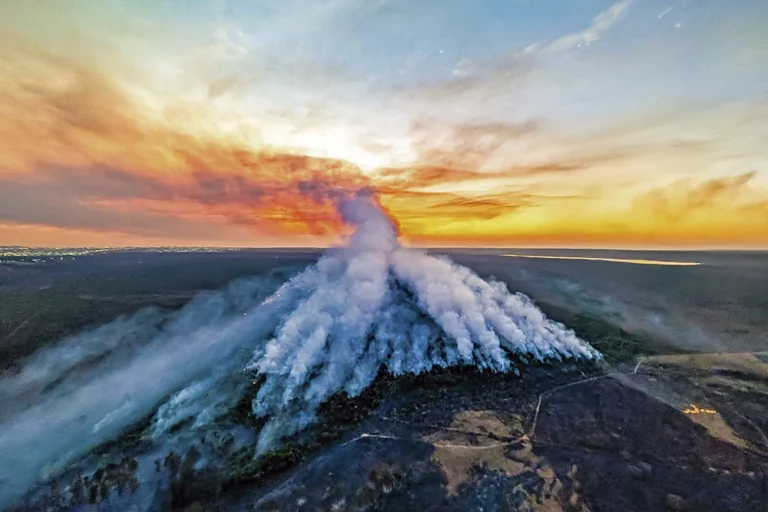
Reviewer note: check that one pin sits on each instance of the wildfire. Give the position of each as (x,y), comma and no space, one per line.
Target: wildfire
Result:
(693,409)
(270,300)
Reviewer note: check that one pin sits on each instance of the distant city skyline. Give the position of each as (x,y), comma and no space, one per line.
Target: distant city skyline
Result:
(517,123)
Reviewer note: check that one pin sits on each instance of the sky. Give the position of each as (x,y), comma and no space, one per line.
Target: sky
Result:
(495,123)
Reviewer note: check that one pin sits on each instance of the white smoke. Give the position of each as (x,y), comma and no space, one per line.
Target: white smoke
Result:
(376,304)
(64,403)
(332,328)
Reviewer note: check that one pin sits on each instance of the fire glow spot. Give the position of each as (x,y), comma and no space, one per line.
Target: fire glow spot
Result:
(270,300)
(693,409)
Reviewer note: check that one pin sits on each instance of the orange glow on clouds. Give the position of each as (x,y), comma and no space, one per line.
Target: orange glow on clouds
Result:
(92,153)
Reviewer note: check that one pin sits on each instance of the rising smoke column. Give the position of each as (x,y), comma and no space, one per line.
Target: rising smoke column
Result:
(376,304)
(370,305)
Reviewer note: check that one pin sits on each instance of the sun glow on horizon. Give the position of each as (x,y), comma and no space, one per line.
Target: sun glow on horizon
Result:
(633,261)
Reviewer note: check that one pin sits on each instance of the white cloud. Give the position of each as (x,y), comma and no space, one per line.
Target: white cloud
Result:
(463,68)
(600,24)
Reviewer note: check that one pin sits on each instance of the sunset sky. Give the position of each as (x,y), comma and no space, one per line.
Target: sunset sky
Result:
(495,123)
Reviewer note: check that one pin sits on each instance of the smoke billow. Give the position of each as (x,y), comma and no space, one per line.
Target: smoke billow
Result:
(376,304)
(369,306)
(87,389)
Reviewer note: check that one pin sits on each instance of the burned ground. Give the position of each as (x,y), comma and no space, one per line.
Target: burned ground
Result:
(614,436)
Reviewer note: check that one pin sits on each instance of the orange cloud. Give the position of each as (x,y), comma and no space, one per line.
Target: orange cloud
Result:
(719,212)
(683,199)
(83,159)
(724,210)
(76,152)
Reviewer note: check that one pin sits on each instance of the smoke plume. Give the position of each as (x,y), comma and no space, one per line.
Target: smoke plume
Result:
(368,306)
(87,389)
(376,304)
